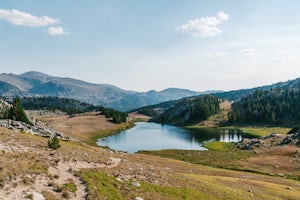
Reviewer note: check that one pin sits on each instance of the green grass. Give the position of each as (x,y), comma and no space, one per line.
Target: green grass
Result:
(221,146)
(103,186)
(224,155)
(262,131)
(100,185)
(172,193)
(70,186)
(210,185)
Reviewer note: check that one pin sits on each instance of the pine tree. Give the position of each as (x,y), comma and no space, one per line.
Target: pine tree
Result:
(17,113)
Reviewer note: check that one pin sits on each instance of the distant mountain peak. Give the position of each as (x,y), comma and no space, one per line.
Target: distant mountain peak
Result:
(34,74)
(173,89)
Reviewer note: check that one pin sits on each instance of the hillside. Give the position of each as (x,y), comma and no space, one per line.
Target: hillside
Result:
(39,84)
(189,110)
(68,106)
(278,106)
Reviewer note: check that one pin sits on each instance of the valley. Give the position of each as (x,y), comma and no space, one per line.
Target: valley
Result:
(117,175)
(265,167)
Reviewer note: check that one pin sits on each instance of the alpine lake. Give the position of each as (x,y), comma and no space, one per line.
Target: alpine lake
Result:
(154,136)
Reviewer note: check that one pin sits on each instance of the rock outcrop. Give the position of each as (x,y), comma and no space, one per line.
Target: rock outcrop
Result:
(38,128)
(4,107)
(273,139)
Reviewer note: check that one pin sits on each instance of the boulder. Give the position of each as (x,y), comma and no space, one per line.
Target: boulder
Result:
(37,196)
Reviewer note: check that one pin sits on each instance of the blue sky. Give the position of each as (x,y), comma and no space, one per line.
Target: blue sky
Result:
(143,45)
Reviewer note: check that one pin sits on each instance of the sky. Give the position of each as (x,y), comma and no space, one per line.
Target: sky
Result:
(142,45)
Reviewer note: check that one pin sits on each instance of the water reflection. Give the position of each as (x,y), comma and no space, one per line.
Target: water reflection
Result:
(152,136)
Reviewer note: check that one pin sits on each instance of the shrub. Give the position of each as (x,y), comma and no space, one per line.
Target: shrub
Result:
(53,143)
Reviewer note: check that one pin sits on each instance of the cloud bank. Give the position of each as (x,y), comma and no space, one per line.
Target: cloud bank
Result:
(204,26)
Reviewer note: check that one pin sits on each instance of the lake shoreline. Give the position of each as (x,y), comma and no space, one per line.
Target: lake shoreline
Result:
(155,136)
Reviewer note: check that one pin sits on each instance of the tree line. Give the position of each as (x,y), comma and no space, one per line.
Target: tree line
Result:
(117,116)
(275,106)
(69,106)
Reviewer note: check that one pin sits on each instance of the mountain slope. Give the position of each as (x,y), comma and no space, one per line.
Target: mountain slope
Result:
(273,107)
(39,84)
(235,95)
(190,110)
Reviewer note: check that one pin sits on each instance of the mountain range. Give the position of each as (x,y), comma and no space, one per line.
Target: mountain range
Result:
(39,84)
(159,109)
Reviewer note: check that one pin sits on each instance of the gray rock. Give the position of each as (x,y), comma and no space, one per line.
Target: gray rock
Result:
(39,129)
(138,198)
(37,196)
(280,174)
(136,184)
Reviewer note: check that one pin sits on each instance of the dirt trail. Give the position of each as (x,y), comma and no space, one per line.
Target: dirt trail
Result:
(63,173)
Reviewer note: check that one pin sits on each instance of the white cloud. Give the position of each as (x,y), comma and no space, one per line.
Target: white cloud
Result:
(204,26)
(248,52)
(20,18)
(218,54)
(56,30)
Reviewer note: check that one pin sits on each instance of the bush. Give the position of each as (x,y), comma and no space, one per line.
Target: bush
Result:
(53,143)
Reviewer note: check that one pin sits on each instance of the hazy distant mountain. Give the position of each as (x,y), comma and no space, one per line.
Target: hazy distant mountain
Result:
(236,95)
(39,84)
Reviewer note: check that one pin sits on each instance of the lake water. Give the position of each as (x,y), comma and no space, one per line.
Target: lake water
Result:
(153,136)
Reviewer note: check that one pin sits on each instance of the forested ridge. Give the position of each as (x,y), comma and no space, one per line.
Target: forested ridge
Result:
(275,106)
(190,110)
(70,106)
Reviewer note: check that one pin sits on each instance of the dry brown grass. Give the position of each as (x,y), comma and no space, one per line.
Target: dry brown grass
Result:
(78,126)
(276,160)
(83,127)
(225,105)
(161,178)
(20,163)
(136,116)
